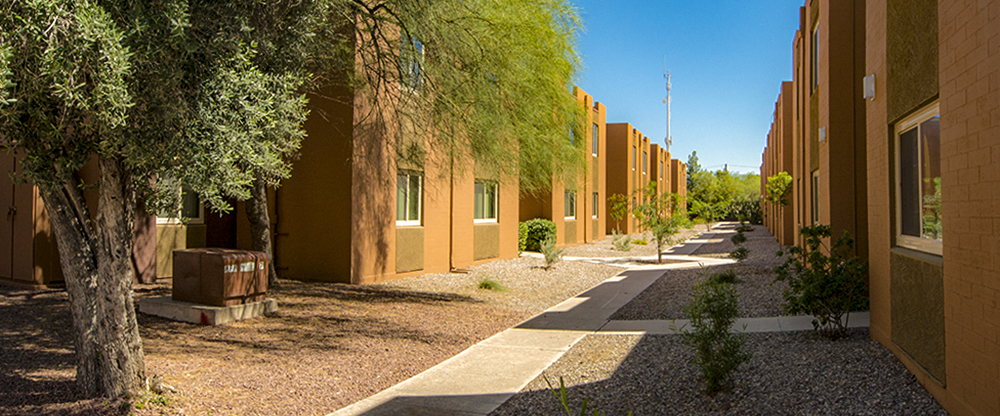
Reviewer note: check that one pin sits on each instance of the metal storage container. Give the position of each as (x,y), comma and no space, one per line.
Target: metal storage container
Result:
(219,277)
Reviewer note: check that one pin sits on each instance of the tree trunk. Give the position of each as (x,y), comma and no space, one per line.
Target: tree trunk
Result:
(96,263)
(122,364)
(260,227)
(74,237)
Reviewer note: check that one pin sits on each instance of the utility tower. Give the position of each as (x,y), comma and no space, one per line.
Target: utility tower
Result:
(666,75)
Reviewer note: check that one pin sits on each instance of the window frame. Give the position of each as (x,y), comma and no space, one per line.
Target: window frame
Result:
(597,139)
(912,121)
(569,204)
(496,202)
(815,56)
(179,218)
(420,201)
(815,197)
(635,155)
(597,203)
(411,70)
(645,161)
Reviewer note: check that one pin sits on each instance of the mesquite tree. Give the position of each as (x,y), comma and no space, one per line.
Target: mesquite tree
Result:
(162,94)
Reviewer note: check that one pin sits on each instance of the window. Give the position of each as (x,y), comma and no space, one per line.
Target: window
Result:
(408,198)
(190,211)
(634,157)
(596,139)
(815,56)
(644,157)
(411,59)
(597,202)
(486,201)
(815,196)
(918,184)
(570,205)
(661,170)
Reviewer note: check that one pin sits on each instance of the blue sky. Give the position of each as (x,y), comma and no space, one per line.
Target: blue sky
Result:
(727,59)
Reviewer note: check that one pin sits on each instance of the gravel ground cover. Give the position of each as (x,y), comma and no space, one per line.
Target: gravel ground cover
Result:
(328,346)
(605,248)
(791,373)
(759,296)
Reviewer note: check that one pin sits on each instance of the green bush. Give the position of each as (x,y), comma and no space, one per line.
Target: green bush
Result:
(490,284)
(739,238)
(740,254)
(533,232)
(748,208)
(640,242)
(725,276)
(522,236)
(824,286)
(712,311)
(622,242)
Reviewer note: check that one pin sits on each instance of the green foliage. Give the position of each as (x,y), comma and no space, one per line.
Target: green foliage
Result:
(552,255)
(490,284)
(746,207)
(738,238)
(564,398)
(779,188)
(622,242)
(824,286)
(713,310)
(725,276)
(618,209)
(535,231)
(932,212)
(740,254)
(640,242)
(522,237)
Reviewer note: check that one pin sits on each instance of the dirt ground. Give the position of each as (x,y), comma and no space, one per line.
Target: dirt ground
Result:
(327,346)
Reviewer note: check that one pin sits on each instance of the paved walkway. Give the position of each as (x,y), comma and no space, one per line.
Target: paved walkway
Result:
(481,378)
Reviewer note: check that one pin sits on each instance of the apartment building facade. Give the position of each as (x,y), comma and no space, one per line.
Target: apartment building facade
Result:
(678,180)
(777,158)
(934,167)
(628,170)
(820,121)
(577,209)
(931,162)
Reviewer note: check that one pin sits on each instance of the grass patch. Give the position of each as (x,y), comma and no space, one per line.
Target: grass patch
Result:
(490,284)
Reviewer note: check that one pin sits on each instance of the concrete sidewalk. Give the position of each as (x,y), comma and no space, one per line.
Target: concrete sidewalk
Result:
(481,378)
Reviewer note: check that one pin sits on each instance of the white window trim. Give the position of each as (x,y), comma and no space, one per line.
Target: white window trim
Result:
(908,241)
(597,203)
(575,205)
(496,205)
(420,203)
(597,139)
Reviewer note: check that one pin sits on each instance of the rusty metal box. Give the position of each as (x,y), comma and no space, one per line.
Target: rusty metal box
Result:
(219,277)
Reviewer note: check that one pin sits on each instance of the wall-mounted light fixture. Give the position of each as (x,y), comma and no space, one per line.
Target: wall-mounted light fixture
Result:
(870,87)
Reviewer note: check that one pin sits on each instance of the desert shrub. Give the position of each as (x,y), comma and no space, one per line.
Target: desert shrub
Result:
(746,207)
(725,276)
(718,352)
(536,231)
(622,242)
(739,238)
(563,398)
(522,236)
(640,241)
(490,284)
(824,286)
(552,255)
(740,254)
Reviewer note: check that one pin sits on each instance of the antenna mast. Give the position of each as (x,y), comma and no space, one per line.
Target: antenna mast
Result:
(666,75)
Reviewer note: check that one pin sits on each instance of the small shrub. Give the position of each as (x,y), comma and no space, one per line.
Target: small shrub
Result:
(739,238)
(744,229)
(824,286)
(622,242)
(740,254)
(536,231)
(490,284)
(522,237)
(725,276)
(712,311)
(564,399)
(640,242)
(552,255)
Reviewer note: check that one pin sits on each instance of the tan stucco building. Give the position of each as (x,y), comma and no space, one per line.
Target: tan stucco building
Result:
(628,170)
(577,209)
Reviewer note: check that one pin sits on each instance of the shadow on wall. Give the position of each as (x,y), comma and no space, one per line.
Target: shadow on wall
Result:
(373,198)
